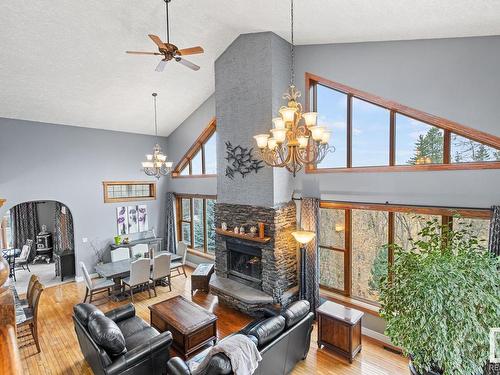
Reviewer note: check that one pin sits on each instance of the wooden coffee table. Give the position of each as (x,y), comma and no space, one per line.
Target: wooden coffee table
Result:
(192,326)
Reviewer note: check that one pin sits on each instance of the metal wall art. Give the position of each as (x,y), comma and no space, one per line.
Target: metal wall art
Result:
(240,160)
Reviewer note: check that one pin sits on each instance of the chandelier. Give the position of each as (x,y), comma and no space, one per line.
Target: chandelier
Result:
(156,164)
(294,143)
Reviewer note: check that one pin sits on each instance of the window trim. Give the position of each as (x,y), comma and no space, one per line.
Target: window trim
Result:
(107,199)
(446,214)
(180,220)
(448,127)
(198,146)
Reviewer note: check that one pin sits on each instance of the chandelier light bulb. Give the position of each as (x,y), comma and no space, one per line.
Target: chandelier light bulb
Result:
(271,144)
(303,141)
(310,118)
(278,123)
(279,135)
(261,140)
(288,114)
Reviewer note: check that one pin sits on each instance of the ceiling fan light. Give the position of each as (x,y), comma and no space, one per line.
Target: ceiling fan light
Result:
(310,118)
(261,140)
(278,123)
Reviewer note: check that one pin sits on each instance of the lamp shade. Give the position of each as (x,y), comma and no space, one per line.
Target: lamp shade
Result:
(147,164)
(303,141)
(325,137)
(279,135)
(310,118)
(278,123)
(303,236)
(261,140)
(288,113)
(271,144)
(317,132)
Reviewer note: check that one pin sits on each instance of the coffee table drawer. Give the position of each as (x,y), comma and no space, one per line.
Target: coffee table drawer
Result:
(202,336)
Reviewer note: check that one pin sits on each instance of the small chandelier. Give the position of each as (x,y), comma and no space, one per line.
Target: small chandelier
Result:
(156,164)
(293,144)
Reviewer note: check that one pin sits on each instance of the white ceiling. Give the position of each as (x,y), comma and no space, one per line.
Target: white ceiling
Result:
(63,61)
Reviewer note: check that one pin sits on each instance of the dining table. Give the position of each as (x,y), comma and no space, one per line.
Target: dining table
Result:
(121,269)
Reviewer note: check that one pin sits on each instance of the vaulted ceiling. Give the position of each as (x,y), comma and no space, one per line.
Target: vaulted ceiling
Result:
(63,61)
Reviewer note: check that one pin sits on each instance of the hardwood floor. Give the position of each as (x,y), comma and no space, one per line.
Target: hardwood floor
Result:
(60,352)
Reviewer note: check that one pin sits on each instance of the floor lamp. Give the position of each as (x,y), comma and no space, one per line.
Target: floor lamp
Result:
(303,237)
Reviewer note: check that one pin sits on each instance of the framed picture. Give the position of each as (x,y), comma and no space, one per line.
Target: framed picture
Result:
(133,224)
(121,220)
(142,217)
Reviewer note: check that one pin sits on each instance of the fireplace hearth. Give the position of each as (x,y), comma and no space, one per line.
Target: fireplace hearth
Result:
(245,264)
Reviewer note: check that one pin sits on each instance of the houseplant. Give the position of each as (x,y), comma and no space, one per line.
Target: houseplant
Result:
(441,299)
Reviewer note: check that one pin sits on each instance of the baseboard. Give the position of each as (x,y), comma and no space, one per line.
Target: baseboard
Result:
(376,336)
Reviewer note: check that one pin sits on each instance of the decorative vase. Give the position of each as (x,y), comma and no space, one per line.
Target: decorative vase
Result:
(253,231)
(236,230)
(224,225)
(118,240)
(242,230)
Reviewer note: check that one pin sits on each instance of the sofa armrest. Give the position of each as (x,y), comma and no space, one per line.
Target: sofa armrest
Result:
(177,366)
(160,343)
(121,313)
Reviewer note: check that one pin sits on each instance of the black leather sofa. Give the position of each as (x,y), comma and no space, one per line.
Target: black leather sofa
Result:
(119,342)
(282,340)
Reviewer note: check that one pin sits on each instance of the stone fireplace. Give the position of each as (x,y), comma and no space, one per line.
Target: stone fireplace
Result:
(251,275)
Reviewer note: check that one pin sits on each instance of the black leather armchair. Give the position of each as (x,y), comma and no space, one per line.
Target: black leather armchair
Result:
(119,342)
(282,340)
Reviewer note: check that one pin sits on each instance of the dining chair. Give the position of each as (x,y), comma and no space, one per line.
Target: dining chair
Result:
(139,276)
(29,291)
(178,265)
(31,316)
(140,249)
(120,253)
(22,260)
(161,270)
(94,286)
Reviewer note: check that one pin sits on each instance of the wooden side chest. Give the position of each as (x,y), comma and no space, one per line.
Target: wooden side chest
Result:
(201,277)
(339,329)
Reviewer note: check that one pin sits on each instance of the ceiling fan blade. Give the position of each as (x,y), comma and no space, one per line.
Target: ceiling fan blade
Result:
(187,63)
(190,51)
(143,53)
(161,66)
(157,40)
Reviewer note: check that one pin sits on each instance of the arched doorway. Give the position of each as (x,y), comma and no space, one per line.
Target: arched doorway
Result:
(47,227)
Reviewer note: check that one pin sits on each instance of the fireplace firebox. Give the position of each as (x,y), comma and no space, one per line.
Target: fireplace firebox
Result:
(245,264)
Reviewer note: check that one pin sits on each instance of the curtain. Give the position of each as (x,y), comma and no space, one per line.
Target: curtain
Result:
(309,218)
(63,229)
(24,219)
(495,231)
(170,243)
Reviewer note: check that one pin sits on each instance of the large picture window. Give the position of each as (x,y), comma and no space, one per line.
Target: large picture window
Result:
(196,222)
(371,134)
(353,239)
(201,158)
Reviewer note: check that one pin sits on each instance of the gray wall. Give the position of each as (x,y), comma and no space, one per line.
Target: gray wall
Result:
(68,164)
(249,78)
(456,79)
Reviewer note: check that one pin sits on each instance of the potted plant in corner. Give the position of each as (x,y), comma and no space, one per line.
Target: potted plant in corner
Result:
(441,299)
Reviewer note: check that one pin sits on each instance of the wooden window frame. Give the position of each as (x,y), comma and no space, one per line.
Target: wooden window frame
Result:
(107,199)
(180,221)
(449,127)
(198,146)
(446,214)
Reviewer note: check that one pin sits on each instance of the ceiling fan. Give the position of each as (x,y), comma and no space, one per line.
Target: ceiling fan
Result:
(170,51)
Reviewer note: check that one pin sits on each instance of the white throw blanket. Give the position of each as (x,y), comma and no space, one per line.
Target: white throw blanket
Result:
(242,352)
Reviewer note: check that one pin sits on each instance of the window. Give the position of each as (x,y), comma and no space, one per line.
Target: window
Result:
(370,133)
(126,191)
(196,222)
(6,239)
(353,239)
(201,158)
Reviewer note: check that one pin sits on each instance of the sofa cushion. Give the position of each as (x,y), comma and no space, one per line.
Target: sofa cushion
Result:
(141,337)
(84,312)
(295,312)
(267,330)
(106,334)
(131,326)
